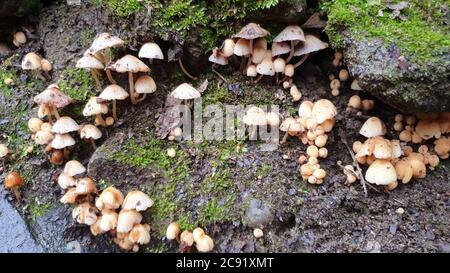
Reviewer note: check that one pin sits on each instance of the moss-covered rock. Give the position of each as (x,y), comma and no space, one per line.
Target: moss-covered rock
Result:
(400,56)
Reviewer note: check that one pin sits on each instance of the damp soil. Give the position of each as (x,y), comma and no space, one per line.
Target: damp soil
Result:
(266,190)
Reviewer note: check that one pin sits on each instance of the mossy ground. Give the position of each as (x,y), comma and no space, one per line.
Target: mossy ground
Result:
(422,35)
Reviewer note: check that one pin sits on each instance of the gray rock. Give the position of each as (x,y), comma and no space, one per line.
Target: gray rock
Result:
(414,88)
(258,214)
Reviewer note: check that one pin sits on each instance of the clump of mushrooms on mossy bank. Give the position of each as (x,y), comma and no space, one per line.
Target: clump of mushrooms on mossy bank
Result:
(188,239)
(250,44)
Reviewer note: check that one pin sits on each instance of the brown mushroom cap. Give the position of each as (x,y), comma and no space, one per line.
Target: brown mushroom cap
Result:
(140,234)
(242,48)
(311,44)
(110,198)
(381,172)
(290,33)
(31,61)
(104,41)
(251,31)
(85,213)
(13,179)
(52,96)
(129,63)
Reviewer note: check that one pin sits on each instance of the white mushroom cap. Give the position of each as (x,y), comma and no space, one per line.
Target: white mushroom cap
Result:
(151,51)
(172,231)
(381,172)
(62,141)
(289,70)
(185,91)
(74,167)
(291,125)
(204,244)
(228,48)
(251,71)
(110,198)
(145,85)
(242,48)
(103,41)
(85,214)
(31,61)
(290,33)
(218,58)
(323,109)
(65,181)
(305,109)
(129,63)
(85,185)
(90,62)
(137,200)
(280,48)
(43,137)
(94,108)
(373,127)
(113,92)
(109,220)
(90,131)
(251,31)
(140,234)
(266,67)
(255,116)
(65,125)
(311,44)
(127,219)
(52,96)
(279,64)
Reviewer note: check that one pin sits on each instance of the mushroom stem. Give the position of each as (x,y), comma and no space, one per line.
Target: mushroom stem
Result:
(301,61)
(16,193)
(39,75)
(219,75)
(285,78)
(284,138)
(131,82)
(92,141)
(254,132)
(109,75)
(142,98)
(66,153)
(101,120)
(242,67)
(114,110)
(291,53)
(180,63)
(258,78)
(94,74)
(55,112)
(50,118)
(250,46)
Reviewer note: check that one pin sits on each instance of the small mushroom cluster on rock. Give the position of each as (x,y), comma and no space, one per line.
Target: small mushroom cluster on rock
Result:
(56,135)
(103,217)
(39,66)
(250,44)
(392,160)
(187,239)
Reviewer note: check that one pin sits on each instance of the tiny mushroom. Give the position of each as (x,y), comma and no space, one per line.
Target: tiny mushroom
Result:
(85,185)
(91,133)
(65,181)
(144,85)
(74,168)
(130,64)
(109,220)
(32,61)
(110,198)
(85,213)
(70,197)
(173,231)
(90,62)
(13,181)
(204,243)
(251,32)
(185,92)
(113,92)
(137,200)
(293,34)
(373,127)
(127,219)
(151,51)
(94,108)
(310,45)
(291,126)
(381,172)
(65,125)
(140,234)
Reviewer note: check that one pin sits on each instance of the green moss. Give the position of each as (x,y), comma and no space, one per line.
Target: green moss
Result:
(38,209)
(264,170)
(422,36)
(7,74)
(219,95)
(77,83)
(86,37)
(124,8)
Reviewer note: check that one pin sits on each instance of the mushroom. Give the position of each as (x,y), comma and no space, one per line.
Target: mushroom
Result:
(110,198)
(144,85)
(280,48)
(292,34)
(85,213)
(279,64)
(266,67)
(186,238)
(228,48)
(354,102)
(310,45)
(251,71)
(254,117)
(70,197)
(65,125)
(52,98)
(91,133)
(428,128)
(185,92)
(217,57)
(137,200)
(323,110)
(109,220)
(19,38)
(251,32)
(94,108)
(125,244)
(12,182)
(85,185)
(46,67)
(93,64)
(32,61)
(290,126)
(140,234)
(3,150)
(404,170)
(43,137)
(258,233)
(273,119)
(62,142)
(151,51)
(173,230)
(113,92)
(130,64)
(74,168)
(101,47)
(204,244)
(442,147)
(373,127)
(34,124)
(242,49)
(197,232)
(127,219)
(355,85)
(381,172)
(65,181)
(95,228)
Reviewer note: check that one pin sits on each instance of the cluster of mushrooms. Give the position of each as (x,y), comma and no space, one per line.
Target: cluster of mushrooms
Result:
(55,135)
(251,45)
(392,160)
(103,217)
(38,65)
(187,239)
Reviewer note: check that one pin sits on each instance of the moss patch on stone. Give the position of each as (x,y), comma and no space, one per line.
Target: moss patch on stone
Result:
(77,83)
(421,35)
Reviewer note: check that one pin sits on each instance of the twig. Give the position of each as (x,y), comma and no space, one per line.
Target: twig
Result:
(219,75)
(400,202)
(356,165)
(180,63)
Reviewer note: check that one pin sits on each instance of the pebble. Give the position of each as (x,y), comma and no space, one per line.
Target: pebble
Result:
(400,211)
